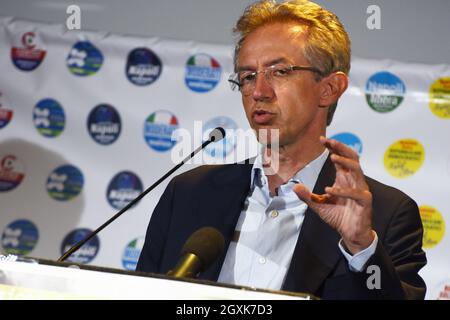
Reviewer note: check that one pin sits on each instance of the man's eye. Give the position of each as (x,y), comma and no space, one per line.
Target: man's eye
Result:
(247,77)
(281,72)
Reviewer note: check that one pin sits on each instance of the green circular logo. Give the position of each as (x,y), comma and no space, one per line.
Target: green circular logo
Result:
(384,91)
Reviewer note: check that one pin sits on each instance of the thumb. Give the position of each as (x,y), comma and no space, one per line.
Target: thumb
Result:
(309,198)
(302,192)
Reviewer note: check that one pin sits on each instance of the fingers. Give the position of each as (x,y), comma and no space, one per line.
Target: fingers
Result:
(320,198)
(346,163)
(310,198)
(339,148)
(364,197)
(302,192)
(349,165)
(346,160)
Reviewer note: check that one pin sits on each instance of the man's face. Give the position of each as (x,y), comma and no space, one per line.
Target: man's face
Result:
(292,107)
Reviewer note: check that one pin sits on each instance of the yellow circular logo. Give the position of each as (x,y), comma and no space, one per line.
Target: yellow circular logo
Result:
(440,98)
(433,226)
(404,158)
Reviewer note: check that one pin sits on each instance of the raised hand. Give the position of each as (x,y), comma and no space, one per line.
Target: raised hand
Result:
(347,205)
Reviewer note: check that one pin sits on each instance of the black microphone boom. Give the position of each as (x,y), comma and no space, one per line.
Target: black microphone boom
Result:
(215,135)
(202,248)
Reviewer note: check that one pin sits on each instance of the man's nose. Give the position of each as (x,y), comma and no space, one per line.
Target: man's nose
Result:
(262,91)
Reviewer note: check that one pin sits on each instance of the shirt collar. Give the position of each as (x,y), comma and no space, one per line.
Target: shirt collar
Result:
(307,175)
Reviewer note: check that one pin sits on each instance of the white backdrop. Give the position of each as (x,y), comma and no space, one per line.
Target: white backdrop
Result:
(85,124)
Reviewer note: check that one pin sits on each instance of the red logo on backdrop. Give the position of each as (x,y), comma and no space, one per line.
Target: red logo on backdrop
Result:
(11,172)
(28,40)
(28,57)
(5,114)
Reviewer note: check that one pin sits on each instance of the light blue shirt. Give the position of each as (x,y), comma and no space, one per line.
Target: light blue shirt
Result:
(267,230)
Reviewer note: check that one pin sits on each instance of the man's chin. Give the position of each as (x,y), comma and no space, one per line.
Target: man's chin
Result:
(268,136)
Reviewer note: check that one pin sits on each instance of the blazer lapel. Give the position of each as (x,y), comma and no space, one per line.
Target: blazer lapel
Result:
(316,252)
(222,208)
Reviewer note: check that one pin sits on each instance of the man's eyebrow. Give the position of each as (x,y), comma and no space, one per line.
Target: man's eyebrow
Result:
(267,64)
(276,61)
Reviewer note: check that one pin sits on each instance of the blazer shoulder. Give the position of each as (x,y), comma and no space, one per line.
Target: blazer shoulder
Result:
(392,207)
(208,174)
(387,194)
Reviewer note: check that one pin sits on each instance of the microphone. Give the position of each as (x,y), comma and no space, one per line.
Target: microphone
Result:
(202,248)
(216,135)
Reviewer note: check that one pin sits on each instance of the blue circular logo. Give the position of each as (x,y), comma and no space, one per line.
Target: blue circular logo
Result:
(350,140)
(87,252)
(84,59)
(131,253)
(104,124)
(12,172)
(384,91)
(28,57)
(225,146)
(123,188)
(20,237)
(65,183)
(203,73)
(158,129)
(49,118)
(143,67)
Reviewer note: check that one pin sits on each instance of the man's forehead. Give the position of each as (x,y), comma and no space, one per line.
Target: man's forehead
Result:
(290,28)
(288,33)
(272,44)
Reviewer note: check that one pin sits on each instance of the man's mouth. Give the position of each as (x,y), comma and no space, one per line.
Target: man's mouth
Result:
(262,116)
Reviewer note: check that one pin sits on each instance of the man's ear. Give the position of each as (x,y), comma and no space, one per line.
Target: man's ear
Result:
(332,87)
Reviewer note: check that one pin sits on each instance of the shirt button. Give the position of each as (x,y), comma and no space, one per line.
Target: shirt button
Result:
(274,213)
(262,260)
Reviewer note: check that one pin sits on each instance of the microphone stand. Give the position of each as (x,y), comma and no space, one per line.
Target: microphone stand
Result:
(79,244)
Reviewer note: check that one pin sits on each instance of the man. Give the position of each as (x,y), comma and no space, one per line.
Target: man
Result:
(292,62)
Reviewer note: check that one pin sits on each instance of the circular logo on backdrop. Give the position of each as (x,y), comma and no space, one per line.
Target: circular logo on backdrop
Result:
(143,67)
(104,124)
(84,59)
(384,91)
(158,129)
(65,183)
(440,98)
(12,172)
(433,226)
(202,73)
(5,113)
(123,188)
(225,146)
(404,158)
(28,56)
(87,252)
(131,253)
(49,118)
(350,140)
(20,237)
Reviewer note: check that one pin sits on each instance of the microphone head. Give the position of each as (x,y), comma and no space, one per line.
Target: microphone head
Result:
(217,134)
(206,243)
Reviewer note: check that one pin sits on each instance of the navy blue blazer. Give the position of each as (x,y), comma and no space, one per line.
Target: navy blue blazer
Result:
(214,195)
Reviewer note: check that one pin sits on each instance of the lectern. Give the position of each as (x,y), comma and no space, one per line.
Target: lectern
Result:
(45,279)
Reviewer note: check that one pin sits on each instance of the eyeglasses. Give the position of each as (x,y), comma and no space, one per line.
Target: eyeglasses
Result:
(275,75)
